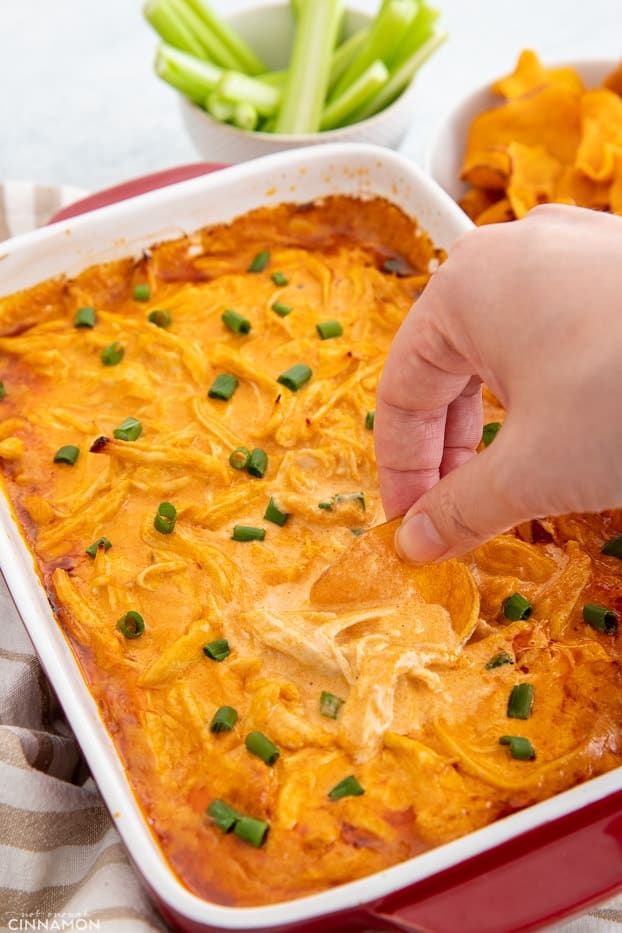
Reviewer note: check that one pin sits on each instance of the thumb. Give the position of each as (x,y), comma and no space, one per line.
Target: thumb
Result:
(483,497)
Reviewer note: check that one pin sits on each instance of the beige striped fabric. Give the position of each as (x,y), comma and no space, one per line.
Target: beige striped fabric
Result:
(62,864)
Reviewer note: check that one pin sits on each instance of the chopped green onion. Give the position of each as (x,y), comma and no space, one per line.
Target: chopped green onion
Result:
(248,533)
(217,650)
(279,278)
(2,390)
(160,317)
(235,322)
(239,458)
(274,514)
(257,463)
(490,431)
(131,624)
(112,354)
(295,377)
(330,704)
(613,547)
(392,266)
(258,744)
(516,607)
(85,317)
(142,292)
(358,497)
(369,420)
(520,748)
(520,701)
(102,543)
(326,504)
(601,618)
(357,532)
(281,309)
(223,815)
(67,454)
(252,831)
(328,329)
(499,660)
(349,787)
(128,430)
(224,719)
(223,387)
(259,262)
(164,522)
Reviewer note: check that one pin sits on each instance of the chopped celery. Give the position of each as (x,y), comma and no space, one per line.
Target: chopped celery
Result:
(219,109)
(214,48)
(245,58)
(190,75)
(336,113)
(344,55)
(392,20)
(237,87)
(245,116)
(274,78)
(309,67)
(170,28)
(420,30)
(398,80)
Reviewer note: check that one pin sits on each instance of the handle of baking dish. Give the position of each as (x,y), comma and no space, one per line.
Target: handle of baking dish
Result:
(551,871)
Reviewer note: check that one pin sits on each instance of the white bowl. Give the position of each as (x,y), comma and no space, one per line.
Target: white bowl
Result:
(269,30)
(445,153)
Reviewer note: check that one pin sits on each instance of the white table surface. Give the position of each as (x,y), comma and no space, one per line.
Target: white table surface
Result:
(79,103)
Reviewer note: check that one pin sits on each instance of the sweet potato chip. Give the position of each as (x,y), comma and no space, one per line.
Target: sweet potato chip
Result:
(497,213)
(551,140)
(382,577)
(601,134)
(613,81)
(533,179)
(530,74)
(477,200)
(550,117)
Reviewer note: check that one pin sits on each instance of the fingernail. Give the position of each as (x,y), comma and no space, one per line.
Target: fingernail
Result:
(418,541)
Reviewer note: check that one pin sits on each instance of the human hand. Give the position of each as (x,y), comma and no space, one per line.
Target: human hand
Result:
(533,308)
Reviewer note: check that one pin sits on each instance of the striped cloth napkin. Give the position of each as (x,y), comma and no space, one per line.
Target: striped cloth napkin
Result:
(62,863)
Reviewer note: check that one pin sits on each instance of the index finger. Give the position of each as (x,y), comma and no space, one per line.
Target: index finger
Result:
(422,377)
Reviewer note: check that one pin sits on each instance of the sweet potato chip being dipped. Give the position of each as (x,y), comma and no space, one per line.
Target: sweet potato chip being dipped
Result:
(550,140)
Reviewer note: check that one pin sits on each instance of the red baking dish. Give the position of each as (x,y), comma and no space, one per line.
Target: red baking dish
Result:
(520,873)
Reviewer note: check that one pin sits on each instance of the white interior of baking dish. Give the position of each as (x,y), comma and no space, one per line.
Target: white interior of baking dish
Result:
(126,228)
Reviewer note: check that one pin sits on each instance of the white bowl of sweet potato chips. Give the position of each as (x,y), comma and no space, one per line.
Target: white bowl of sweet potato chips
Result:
(541,133)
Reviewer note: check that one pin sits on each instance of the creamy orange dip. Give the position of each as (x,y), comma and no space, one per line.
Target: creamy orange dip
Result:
(417,708)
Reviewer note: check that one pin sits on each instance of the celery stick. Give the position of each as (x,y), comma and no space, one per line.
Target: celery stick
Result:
(245,116)
(399,79)
(275,78)
(245,59)
(355,96)
(213,47)
(421,29)
(344,55)
(390,22)
(309,67)
(158,13)
(219,109)
(236,87)
(192,76)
